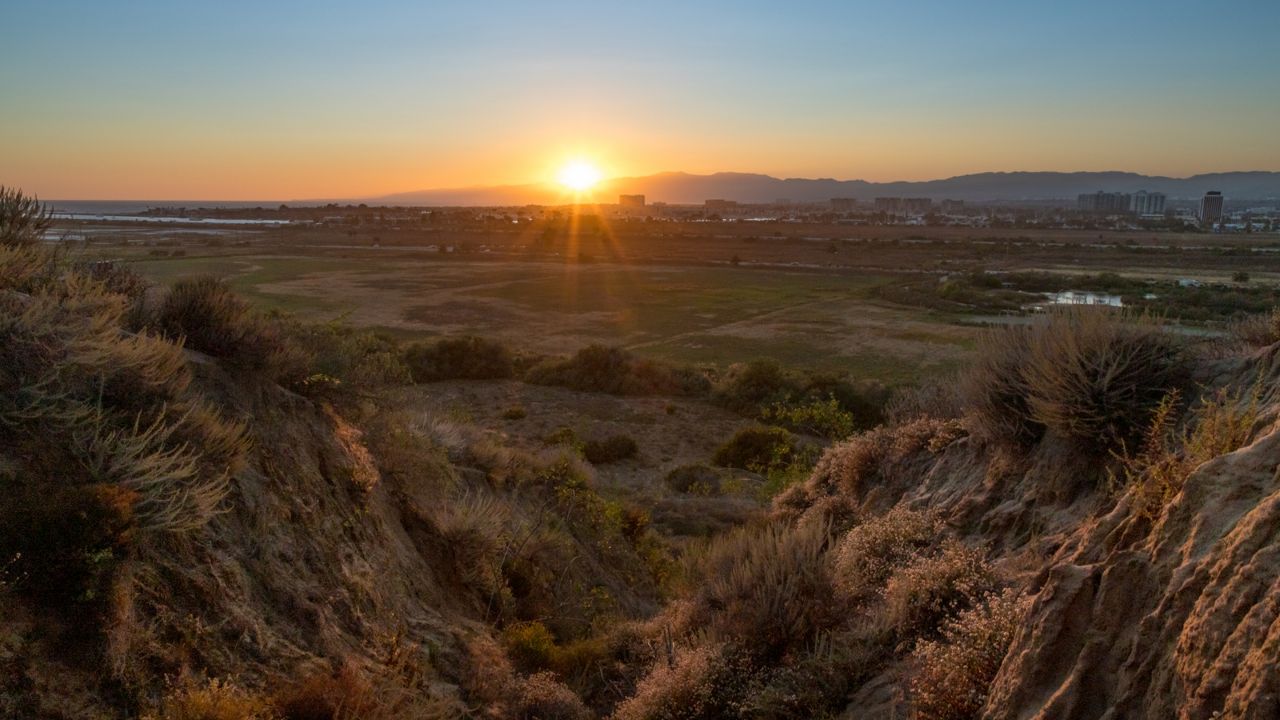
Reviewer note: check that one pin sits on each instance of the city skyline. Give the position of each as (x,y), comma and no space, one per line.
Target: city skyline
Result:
(145,99)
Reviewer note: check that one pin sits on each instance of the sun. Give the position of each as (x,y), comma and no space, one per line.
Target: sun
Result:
(579,175)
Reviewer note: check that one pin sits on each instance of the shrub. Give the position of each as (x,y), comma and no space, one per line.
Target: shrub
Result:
(701,682)
(602,369)
(465,358)
(1089,377)
(694,479)
(758,449)
(543,697)
(610,449)
(823,418)
(766,589)
(347,355)
(746,388)
(515,412)
(215,700)
(850,467)
(206,314)
(933,587)
(23,218)
(530,645)
(870,553)
(935,398)
(953,673)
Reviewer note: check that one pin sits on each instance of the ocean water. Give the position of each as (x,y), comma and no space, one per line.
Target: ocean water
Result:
(129,207)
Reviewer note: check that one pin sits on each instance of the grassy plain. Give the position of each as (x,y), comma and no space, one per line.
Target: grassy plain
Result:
(712,294)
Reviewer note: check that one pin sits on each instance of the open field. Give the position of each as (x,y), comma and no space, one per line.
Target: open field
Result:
(810,295)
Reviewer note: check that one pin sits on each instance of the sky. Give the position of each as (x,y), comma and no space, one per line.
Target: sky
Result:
(302,100)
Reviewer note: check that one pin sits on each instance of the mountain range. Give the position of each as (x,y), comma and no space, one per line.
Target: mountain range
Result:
(683,188)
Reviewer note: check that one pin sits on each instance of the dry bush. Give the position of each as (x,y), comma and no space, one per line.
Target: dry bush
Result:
(933,587)
(610,449)
(465,358)
(602,369)
(1218,424)
(996,389)
(1090,377)
(543,697)
(393,690)
(953,673)
(214,700)
(816,681)
(765,588)
(701,682)
(870,553)
(1260,330)
(934,398)
(850,467)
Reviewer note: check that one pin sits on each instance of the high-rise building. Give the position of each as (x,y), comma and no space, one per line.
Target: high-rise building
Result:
(1211,207)
(631,200)
(1145,203)
(1103,202)
(915,206)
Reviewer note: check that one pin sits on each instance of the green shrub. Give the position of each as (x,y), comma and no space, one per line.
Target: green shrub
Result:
(465,358)
(758,449)
(602,369)
(610,449)
(823,418)
(208,316)
(746,388)
(530,645)
(347,356)
(953,674)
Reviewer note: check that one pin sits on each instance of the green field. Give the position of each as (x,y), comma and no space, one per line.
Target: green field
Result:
(712,315)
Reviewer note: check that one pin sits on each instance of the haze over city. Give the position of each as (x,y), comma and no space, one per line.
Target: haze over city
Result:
(239,100)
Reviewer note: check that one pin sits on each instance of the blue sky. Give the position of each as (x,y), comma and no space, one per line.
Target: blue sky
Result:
(235,99)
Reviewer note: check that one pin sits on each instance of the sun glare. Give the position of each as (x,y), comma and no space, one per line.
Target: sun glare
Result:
(579,176)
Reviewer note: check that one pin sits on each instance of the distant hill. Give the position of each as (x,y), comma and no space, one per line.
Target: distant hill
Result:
(679,187)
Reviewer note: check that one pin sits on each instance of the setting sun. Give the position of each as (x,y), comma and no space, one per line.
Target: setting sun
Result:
(579,176)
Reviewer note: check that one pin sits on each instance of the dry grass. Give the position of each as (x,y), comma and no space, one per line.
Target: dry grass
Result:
(213,700)
(1088,376)
(766,589)
(1218,424)
(934,586)
(1258,330)
(953,673)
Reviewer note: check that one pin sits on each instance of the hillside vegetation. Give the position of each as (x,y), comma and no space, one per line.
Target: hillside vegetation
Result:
(213,514)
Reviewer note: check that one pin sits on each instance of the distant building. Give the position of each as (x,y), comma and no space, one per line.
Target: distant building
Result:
(717,204)
(1211,207)
(844,204)
(631,200)
(1103,202)
(953,207)
(1145,203)
(912,206)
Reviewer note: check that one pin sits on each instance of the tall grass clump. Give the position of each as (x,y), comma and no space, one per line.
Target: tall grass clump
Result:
(611,370)
(464,358)
(1087,376)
